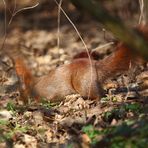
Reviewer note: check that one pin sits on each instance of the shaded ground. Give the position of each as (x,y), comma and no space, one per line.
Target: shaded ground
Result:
(118,120)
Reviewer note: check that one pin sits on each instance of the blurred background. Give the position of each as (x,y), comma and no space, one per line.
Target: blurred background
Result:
(44,16)
(32,28)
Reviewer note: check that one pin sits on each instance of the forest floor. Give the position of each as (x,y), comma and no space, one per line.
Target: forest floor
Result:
(117,120)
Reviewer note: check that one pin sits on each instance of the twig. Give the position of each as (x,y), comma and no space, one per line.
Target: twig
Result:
(20,10)
(142,17)
(102,46)
(58,21)
(12,16)
(78,33)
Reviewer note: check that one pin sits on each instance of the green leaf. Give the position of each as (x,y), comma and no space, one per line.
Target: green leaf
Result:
(11,107)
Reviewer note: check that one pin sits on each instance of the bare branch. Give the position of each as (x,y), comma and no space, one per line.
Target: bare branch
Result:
(12,16)
(20,10)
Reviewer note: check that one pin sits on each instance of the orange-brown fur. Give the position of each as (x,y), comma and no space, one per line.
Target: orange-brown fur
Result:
(26,79)
(77,77)
(80,76)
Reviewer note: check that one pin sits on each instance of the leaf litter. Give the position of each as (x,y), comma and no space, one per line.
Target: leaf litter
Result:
(74,122)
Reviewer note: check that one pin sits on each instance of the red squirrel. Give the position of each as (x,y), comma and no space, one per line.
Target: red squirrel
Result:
(80,76)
